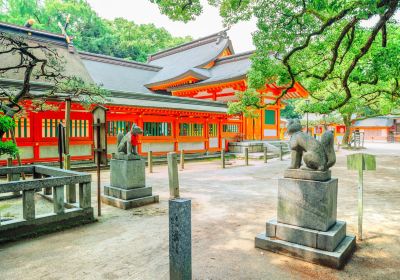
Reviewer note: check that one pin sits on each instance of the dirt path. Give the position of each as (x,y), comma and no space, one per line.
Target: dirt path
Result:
(229,207)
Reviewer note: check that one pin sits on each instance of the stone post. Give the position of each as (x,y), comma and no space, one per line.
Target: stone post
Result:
(223,158)
(85,195)
(28,205)
(180,239)
(246,155)
(12,177)
(58,199)
(182,160)
(173,175)
(70,189)
(265,154)
(281,152)
(150,161)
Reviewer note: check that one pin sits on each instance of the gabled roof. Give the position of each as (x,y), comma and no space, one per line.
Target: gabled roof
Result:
(191,56)
(118,74)
(225,69)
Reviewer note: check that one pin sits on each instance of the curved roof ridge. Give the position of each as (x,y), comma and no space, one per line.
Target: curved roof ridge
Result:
(188,45)
(118,61)
(234,57)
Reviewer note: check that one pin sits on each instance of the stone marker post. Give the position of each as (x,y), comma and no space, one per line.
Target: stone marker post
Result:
(361,162)
(150,161)
(280,152)
(265,154)
(246,155)
(173,175)
(223,158)
(180,228)
(182,160)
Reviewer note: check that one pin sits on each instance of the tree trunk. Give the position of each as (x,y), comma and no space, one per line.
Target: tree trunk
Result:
(346,136)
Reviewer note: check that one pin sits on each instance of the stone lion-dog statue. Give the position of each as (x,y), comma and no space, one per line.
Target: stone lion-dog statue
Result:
(128,144)
(315,154)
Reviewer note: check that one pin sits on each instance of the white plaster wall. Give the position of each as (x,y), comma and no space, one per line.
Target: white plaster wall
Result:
(80,150)
(158,147)
(270,132)
(189,146)
(48,151)
(213,142)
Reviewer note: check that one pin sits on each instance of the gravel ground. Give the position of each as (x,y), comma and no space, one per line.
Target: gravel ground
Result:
(229,208)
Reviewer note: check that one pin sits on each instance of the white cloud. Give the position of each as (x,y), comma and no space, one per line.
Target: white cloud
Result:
(209,22)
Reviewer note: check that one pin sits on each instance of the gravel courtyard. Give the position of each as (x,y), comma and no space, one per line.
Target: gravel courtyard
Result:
(229,207)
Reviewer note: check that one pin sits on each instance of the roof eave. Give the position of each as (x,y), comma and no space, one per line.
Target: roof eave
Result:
(190,72)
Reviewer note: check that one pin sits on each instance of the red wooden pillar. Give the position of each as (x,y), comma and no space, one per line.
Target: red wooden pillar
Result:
(175,133)
(36,134)
(140,124)
(206,134)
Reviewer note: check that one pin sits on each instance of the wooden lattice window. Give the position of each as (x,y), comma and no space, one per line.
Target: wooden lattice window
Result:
(212,130)
(78,128)
(157,129)
(114,127)
(191,129)
(230,128)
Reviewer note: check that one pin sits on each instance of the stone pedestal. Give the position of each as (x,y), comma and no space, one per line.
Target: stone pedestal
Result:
(306,225)
(128,183)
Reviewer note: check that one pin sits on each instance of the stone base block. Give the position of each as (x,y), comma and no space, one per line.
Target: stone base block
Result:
(335,259)
(306,203)
(307,174)
(127,194)
(323,240)
(130,203)
(127,174)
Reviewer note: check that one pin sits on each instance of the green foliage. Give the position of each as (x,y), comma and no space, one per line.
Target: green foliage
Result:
(6,123)
(290,112)
(182,10)
(249,102)
(120,38)
(8,148)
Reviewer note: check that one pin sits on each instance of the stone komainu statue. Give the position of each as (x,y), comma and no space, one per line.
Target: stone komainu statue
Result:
(316,155)
(128,144)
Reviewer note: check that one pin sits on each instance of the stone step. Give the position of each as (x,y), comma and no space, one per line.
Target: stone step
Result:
(323,240)
(336,259)
(254,155)
(130,203)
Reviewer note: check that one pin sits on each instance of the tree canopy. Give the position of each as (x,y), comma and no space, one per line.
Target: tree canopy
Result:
(342,51)
(120,37)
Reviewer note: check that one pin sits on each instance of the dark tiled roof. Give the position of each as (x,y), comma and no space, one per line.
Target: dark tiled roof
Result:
(118,74)
(73,64)
(372,122)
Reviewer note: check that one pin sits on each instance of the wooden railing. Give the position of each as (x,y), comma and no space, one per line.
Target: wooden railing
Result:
(46,178)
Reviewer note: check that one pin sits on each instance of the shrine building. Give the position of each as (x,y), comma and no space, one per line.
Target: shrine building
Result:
(179,98)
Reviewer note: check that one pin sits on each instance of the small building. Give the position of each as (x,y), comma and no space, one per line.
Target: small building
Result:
(378,128)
